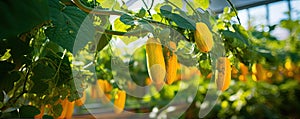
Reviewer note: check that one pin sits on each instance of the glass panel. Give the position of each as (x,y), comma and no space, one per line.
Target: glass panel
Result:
(295,9)
(243,15)
(258,16)
(278,11)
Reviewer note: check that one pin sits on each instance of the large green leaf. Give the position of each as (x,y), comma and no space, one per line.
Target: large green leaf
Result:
(65,73)
(27,111)
(19,16)
(69,24)
(166,10)
(57,110)
(235,39)
(5,67)
(12,114)
(241,32)
(270,58)
(7,79)
(181,21)
(19,51)
(39,87)
(42,71)
(41,74)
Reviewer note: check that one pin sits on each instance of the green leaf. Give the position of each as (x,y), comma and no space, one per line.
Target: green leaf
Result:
(7,80)
(21,16)
(178,3)
(47,117)
(126,19)
(242,31)
(42,71)
(166,10)
(57,110)
(65,73)
(51,47)
(28,111)
(5,56)
(167,92)
(120,26)
(111,4)
(18,49)
(103,41)
(269,57)
(181,21)
(141,13)
(203,4)
(157,7)
(41,74)
(258,34)
(39,87)
(5,67)
(67,22)
(12,114)
(235,39)
(240,37)
(1,105)
(184,23)
(290,24)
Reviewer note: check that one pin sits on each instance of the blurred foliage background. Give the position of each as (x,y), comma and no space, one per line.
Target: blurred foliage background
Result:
(39,66)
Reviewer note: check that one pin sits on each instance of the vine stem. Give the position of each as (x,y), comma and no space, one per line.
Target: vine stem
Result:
(194,10)
(96,11)
(59,65)
(105,12)
(152,2)
(15,99)
(148,8)
(115,12)
(231,5)
(120,33)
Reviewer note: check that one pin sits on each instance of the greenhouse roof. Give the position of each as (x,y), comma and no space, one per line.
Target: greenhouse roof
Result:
(218,5)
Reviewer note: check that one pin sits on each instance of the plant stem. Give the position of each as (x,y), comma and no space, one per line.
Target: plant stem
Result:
(231,5)
(120,33)
(15,99)
(152,2)
(192,8)
(109,12)
(148,9)
(96,11)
